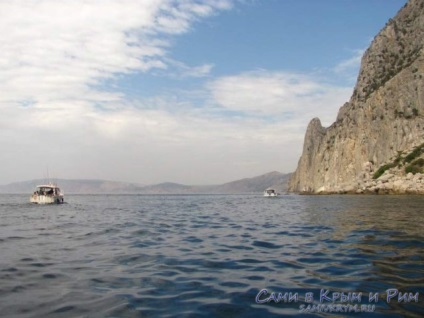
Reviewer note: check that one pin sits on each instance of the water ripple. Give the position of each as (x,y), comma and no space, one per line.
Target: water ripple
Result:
(205,256)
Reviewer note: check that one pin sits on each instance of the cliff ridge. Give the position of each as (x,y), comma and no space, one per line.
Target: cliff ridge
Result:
(382,123)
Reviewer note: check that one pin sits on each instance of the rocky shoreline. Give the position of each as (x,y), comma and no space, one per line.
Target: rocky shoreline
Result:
(392,181)
(402,174)
(388,183)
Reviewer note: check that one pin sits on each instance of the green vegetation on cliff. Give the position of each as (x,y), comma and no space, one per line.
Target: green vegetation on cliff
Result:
(415,165)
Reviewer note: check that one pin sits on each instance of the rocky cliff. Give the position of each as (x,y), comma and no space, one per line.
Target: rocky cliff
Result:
(376,143)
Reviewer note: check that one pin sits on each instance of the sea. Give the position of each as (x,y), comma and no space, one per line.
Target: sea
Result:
(212,256)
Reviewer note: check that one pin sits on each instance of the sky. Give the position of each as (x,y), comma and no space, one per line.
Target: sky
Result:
(187,91)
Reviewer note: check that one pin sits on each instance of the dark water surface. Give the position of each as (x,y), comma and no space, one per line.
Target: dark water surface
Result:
(211,255)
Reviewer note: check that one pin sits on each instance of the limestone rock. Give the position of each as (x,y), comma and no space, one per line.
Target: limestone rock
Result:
(384,116)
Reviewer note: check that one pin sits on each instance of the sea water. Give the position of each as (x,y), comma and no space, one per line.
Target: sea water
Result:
(212,256)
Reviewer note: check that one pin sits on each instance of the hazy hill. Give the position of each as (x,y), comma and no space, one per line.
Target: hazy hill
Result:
(249,185)
(276,180)
(74,186)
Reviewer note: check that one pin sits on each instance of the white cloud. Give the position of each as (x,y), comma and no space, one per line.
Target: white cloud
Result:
(141,145)
(54,57)
(279,94)
(161,139)
(351,63)
(54,48)
(56,54)
(182,70)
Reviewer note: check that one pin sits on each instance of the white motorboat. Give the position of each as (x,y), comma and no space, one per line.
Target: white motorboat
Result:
(270,192)
(47,194)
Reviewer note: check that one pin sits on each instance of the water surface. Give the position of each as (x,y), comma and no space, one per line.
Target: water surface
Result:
(208,255)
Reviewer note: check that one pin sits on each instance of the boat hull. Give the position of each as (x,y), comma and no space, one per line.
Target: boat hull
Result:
(270,195)
(47,199)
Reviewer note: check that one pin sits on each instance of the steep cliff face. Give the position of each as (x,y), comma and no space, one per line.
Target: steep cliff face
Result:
(383,120)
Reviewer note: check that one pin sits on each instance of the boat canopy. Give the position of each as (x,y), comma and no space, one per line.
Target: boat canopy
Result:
(47,189)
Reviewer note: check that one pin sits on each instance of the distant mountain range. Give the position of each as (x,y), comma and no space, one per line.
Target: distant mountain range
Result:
(276,180)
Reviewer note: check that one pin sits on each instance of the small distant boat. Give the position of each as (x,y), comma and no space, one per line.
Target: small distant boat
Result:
(270,192)
(47,194)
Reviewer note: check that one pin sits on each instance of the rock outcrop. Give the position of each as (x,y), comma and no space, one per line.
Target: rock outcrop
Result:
(381,124)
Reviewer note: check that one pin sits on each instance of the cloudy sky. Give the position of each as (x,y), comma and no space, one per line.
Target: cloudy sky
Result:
(188,91)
